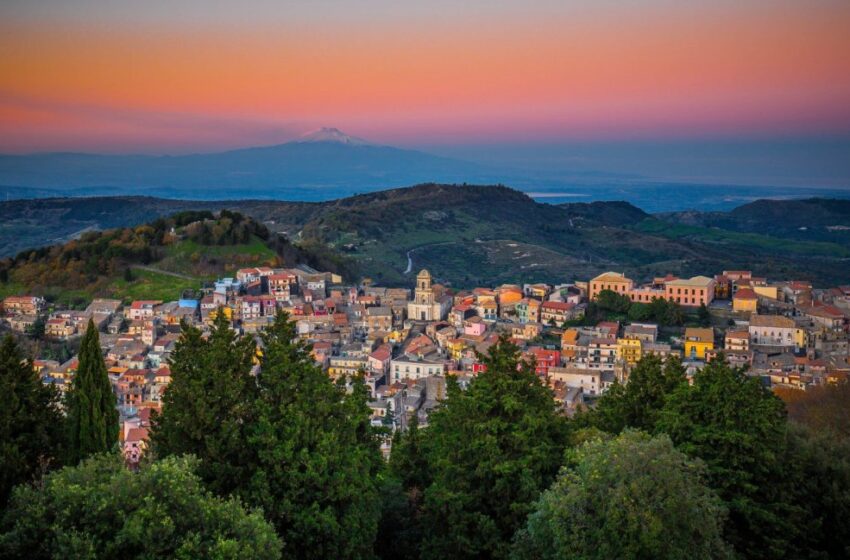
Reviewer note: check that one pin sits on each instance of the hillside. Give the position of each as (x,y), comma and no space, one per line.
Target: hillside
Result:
(815,219)
(157,260)
(469,235)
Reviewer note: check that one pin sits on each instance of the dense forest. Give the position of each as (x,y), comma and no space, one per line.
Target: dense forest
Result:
(285,463)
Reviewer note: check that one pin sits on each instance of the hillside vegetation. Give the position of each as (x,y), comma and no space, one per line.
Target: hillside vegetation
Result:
(472,235)
(156,260)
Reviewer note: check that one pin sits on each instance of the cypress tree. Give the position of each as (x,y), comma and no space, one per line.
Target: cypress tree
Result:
(92,413)
(30,421)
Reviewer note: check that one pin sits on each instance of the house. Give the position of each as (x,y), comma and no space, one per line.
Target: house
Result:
(141,309)
(587,380)
(414,367)
(23,305)
(378,362)
(776,331)
(474,326)
(645,332)
(135,443)
(379,319)
(629,350)
(556,312)
(544,360)
(697,341)
(59,328)
(737,340)
(745,300)
(602,353)
(527,310)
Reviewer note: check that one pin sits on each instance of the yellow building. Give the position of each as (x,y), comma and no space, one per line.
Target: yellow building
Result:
(771,292)
(629,350)
(697,341)
(614,281)
(745,300)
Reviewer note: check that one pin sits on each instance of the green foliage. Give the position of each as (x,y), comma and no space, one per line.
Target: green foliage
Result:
(403,486)
(91,403)
(491,450)
(608,300)
(737,426)
(101,510)
(30,421)
(206,409)
(638,403)
(610,305)
(288,440)
(816,473)
(317,455)
(632,497)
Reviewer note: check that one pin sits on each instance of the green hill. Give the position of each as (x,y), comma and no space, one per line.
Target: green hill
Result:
(156,260)
(466,235)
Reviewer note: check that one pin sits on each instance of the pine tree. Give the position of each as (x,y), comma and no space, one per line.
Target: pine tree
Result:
(30,421)
(491,450)
(208,404)
(317,454)
(738,427)
(92,412)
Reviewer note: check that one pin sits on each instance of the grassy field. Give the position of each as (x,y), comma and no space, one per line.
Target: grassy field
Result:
(151,285)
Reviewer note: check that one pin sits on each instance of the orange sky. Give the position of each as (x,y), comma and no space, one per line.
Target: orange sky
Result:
(654,69)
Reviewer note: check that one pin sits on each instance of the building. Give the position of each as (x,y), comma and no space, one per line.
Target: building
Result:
(413,367)
(614,281)
(587,380)
(737,340)
(692,292)
(776,331)
(697,341)
(556,312)
(629,350)
(745,300)
(23,305)
(424,306)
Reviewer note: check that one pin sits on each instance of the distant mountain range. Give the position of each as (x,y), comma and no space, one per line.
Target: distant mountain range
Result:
(469,235)
(324,160)
(328,164)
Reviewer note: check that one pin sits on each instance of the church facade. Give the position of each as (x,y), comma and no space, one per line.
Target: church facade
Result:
(424,306)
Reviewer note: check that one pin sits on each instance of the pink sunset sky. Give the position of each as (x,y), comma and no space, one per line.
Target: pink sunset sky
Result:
(175,77)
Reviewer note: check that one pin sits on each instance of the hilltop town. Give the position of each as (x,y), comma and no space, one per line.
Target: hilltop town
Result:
(582,336)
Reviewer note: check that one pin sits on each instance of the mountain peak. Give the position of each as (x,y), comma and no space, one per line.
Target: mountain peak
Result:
(334,135)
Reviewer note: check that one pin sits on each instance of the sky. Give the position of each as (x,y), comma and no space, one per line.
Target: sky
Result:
(566,78)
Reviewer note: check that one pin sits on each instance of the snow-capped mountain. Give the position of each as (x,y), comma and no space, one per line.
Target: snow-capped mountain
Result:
(334,135)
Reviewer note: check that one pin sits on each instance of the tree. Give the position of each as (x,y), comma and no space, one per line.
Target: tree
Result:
(638,403)
(737,426)
(816,473)
(207,406)
(36,330)
(824,409)
(614,302)
(128,274)
(30,421)
(92,412)
(632,497)
(403,484)
(317,454)
(491,450)
(703,316)
(101,510)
